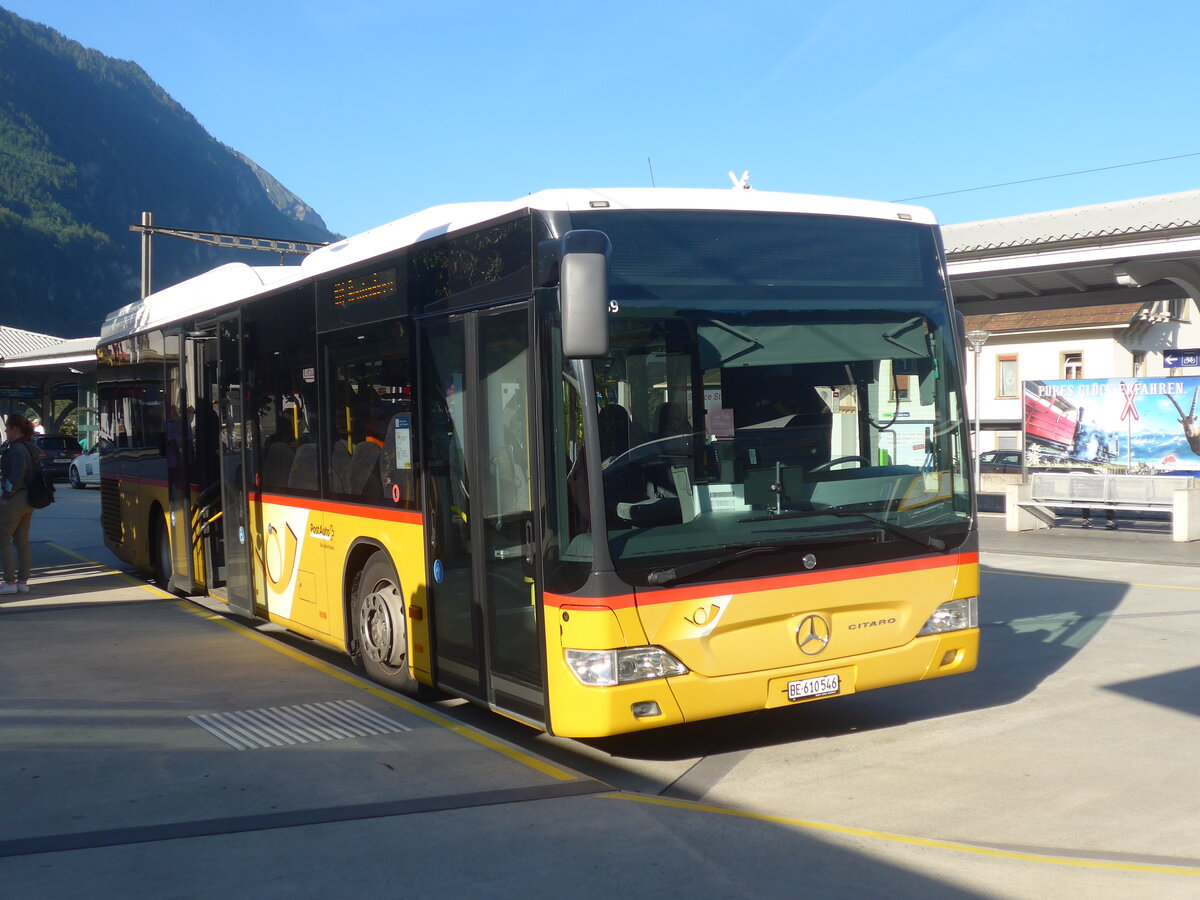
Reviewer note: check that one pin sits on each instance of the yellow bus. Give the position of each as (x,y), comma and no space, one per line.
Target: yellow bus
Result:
(601,461)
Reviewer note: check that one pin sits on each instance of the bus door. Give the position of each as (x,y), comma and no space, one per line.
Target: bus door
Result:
(234,506)
(481,492)
(182,469)
(219,431)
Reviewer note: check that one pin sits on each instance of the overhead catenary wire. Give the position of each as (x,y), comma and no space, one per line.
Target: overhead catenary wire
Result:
(986,187)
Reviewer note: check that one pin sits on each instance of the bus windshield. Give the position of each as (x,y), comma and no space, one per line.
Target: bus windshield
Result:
(772,380)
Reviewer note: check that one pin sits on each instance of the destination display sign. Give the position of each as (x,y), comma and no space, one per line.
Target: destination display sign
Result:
(359,298)
(368,286)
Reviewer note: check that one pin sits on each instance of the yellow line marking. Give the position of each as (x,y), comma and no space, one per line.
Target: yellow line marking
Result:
(158,592)
(382,694)
(908,839)
(416,709)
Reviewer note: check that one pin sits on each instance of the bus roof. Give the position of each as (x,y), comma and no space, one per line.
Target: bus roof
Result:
(231,283)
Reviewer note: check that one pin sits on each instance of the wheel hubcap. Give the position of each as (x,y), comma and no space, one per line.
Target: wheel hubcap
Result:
(382,641)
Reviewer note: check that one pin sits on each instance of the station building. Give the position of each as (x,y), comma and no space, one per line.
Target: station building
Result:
(53,377)
(1103,291)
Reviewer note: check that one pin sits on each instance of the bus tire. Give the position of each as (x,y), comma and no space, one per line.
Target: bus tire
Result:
(160,553)
(381,627)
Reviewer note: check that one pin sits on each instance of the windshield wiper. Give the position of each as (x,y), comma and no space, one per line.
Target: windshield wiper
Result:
(674,573)
(925,540)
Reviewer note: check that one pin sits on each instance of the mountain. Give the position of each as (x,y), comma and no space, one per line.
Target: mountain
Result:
(87,143)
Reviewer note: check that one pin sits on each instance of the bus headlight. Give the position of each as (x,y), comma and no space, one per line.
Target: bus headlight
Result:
(605,668)
(953,616)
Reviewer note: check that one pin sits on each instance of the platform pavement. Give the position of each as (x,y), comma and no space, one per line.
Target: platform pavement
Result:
(1141,540)
(108,788)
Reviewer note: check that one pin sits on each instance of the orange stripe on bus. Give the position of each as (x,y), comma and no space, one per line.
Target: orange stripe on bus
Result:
(780,582)
(312,504)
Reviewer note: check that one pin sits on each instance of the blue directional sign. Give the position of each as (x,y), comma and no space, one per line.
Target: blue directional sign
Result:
(1181,359)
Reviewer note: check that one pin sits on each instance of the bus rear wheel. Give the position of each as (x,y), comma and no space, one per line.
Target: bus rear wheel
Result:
(161,548)
(380,626)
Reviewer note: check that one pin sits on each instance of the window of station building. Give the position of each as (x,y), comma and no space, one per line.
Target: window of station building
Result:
(1072,365)
(371,420)
(280,357)
(1138,364)
(1007,382)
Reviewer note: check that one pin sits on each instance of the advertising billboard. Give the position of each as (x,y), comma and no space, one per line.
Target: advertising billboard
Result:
(1137,425)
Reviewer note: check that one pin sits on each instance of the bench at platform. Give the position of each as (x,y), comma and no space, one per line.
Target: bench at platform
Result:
(1031,504)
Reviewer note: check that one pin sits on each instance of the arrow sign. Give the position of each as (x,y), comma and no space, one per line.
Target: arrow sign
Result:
(1177,359)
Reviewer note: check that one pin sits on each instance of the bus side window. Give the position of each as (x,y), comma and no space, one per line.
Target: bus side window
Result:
(371,400)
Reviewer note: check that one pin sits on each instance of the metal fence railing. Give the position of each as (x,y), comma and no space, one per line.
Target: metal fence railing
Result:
(1117,490)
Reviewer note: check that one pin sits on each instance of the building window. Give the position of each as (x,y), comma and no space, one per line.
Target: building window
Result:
(899,390)
(1072,366)
(1007,384)
(1139,364)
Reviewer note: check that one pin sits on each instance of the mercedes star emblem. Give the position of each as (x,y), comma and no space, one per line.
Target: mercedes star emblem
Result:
(812,635)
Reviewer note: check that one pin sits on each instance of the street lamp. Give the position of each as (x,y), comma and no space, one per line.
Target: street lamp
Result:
(977,339)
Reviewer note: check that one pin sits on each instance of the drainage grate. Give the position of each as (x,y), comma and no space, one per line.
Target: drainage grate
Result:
(280,726)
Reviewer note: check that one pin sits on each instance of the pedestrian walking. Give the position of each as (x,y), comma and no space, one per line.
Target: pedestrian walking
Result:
(16,465)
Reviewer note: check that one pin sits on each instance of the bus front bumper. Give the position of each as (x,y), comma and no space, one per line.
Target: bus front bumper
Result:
(588,712)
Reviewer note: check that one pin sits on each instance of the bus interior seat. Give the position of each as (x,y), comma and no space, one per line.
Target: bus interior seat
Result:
(614,422)
(303,475)
(277,465)
(672,419)
(341,463)
(364,467)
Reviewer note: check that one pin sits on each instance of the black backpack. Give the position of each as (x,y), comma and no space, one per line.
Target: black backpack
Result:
(41,489)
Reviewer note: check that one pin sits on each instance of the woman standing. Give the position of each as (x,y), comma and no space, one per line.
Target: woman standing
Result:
(16,514)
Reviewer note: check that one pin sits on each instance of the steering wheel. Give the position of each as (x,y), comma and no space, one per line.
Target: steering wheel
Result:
(861,460)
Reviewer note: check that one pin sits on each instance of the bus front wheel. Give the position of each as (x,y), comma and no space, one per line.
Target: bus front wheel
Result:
(380,627)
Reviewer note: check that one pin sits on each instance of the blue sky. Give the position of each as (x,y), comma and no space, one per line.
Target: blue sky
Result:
(372,109)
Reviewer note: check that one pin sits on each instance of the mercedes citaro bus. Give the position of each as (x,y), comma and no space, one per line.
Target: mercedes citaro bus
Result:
(601,460)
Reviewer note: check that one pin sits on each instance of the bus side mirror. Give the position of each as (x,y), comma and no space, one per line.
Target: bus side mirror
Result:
(583,293)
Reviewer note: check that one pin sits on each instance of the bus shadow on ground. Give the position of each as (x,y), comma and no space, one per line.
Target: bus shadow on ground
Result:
(1030,628)
(1179,691)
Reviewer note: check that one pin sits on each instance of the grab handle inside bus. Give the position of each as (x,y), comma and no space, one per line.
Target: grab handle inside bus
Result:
(583,293)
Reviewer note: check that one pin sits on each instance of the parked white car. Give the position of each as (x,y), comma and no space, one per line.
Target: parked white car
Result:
(85,469)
